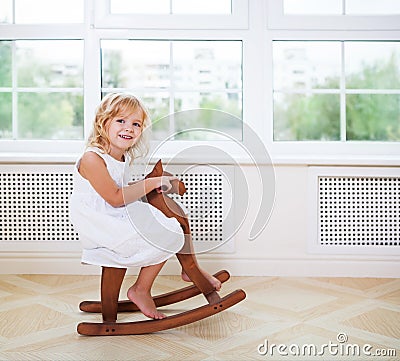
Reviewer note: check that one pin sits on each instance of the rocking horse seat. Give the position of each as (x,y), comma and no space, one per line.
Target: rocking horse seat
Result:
(112,278)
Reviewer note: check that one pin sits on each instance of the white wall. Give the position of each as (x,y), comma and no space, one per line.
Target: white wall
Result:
(282,247)
(280,250)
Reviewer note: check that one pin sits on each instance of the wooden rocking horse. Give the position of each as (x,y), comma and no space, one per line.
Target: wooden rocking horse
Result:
(112,278)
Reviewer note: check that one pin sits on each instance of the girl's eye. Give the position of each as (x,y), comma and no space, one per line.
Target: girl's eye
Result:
(120,121)
(137,125)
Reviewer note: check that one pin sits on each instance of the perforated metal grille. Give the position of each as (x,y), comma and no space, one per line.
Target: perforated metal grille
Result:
(359,211)
(205,203)
(34,204)
(34,207)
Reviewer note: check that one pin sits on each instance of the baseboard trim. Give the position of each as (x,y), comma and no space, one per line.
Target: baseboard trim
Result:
(70,264)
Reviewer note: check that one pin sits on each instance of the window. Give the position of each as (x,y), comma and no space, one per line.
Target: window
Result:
(41,74)
(340,7)
(307,77)
(334,14)
(335,76)
(41,89)
(170,7)
(172,14)
(331,90)
(175,76)
(59,58)
(41,11)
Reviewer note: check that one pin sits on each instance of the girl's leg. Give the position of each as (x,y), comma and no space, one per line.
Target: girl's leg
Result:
(140,292)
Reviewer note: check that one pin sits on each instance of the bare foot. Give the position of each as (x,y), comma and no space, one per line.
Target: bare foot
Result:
(214,281)
(144,301)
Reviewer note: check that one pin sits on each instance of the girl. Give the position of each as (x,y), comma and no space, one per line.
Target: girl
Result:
(115,227)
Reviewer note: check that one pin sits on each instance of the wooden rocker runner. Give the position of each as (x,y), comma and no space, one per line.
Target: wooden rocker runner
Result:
(112,278)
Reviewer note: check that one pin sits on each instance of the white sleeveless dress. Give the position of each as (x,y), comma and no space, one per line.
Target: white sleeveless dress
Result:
(134,235)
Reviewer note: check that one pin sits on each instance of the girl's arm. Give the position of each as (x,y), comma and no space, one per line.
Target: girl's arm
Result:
(93,168)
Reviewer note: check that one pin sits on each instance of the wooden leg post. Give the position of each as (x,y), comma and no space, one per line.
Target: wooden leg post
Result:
(111,280)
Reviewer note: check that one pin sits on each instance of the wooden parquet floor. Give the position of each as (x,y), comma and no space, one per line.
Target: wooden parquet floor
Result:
(281,319)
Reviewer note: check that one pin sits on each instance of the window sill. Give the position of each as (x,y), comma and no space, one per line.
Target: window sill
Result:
(285,160)
(24,158)
(332,160)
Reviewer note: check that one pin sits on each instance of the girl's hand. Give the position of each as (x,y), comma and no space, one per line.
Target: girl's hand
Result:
(165,184)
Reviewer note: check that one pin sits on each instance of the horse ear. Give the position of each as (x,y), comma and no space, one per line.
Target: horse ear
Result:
(158,168)
(157,171)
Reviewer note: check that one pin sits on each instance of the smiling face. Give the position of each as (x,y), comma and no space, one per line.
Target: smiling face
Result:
(122,125)
(124,131)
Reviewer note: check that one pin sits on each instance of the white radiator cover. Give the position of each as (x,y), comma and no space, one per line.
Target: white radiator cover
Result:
(34,213)
(354,210)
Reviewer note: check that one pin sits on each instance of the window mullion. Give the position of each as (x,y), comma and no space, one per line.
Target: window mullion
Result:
(14,94)
(172,88)
(343,135)
(13,12)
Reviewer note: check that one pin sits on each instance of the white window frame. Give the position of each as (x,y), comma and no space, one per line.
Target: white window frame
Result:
(303,28)
(37,149)
(257,37)
(172,89)
(175,149)
(68,150)
(278,20)
(238,19)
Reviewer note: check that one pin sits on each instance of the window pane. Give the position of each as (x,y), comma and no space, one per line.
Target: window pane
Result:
(158,106)
(335,7)
(5,61)
(201,7)
(5,116)
(5,11)
(207,65)
(226,102)
(372,7)
(140,6)
(48,11)
(175,76)
(210,65)
(50,116)
(306,64)
(213,111)
(171,7)
(372,65)
(373,117)
(312,7)
(221,112)
(306,117)
(135,64)
(50,63)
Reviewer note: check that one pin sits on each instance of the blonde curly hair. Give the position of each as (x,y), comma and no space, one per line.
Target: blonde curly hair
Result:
(112,106)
